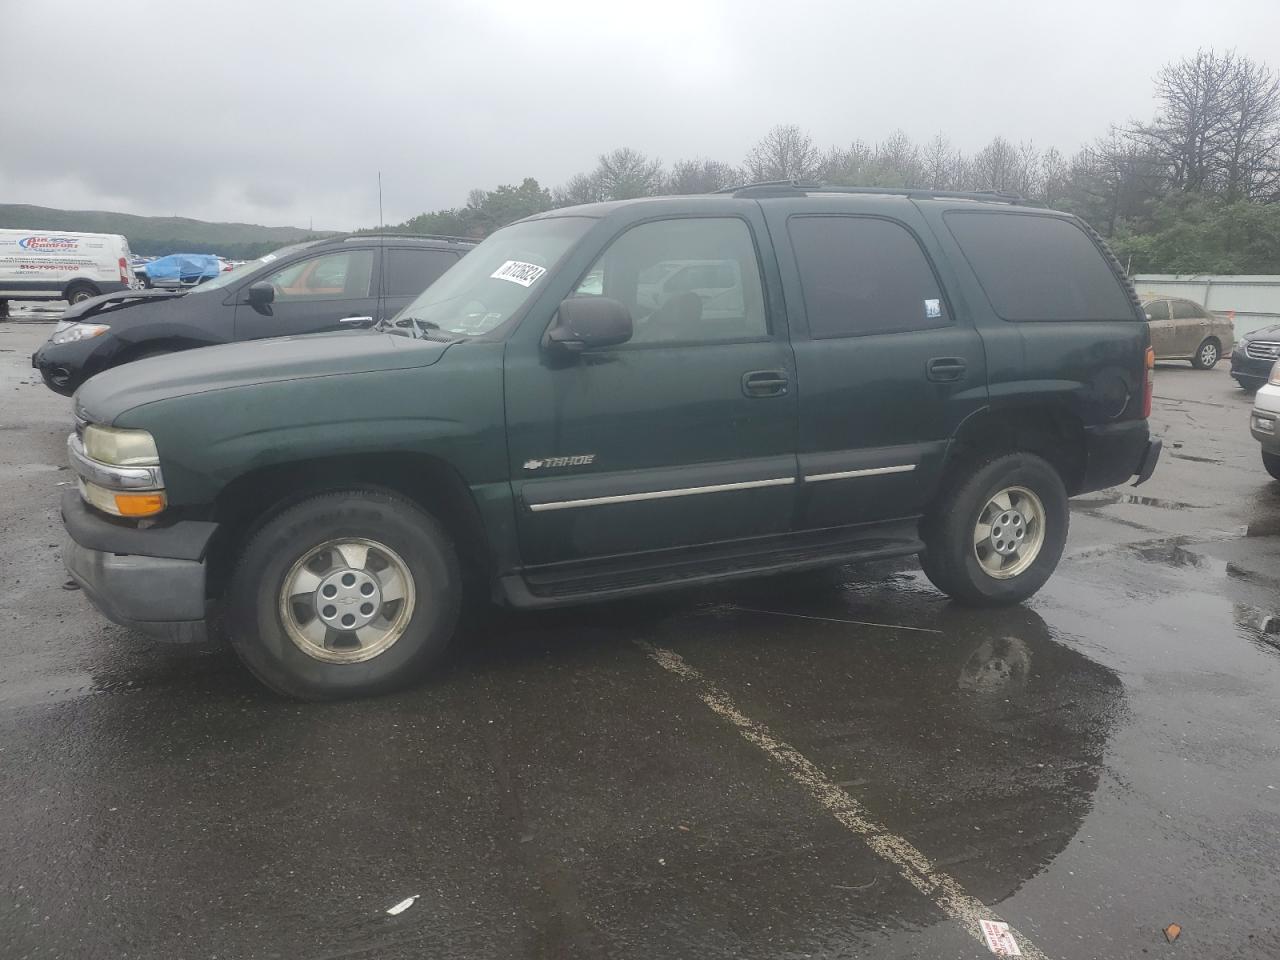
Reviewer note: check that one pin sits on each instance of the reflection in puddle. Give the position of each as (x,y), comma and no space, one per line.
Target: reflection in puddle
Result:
(1110,498)
(997,666)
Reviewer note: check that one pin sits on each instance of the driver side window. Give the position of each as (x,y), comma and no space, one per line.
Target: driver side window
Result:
(689,280)
(334,276)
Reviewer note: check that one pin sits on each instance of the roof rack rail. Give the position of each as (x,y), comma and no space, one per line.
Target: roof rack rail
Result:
(792,188)
(391,234)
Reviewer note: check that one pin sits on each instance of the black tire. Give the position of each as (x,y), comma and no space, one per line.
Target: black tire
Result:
(1248,386)
(1207,354)
(81,291)
(1272,462)
(253,617)
(950,559)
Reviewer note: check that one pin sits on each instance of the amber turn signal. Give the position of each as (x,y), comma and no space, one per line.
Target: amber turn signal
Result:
(139,504)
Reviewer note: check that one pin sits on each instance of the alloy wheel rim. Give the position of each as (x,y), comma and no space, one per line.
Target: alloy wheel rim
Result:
(1009,533)
(347,601)
(1208,354)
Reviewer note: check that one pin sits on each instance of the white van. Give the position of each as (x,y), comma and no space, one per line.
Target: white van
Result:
(57,265)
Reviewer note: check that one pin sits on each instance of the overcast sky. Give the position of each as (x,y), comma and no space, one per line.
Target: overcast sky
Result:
(282,113)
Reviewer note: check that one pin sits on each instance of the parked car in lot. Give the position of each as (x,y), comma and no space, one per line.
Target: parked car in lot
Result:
(907,373)
(1254,357)
(53,265)
(341,283)
(1264,421)
(1184,330)
(181,270)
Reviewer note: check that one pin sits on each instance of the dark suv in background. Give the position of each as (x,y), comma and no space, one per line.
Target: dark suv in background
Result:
(339,283)
(847,375)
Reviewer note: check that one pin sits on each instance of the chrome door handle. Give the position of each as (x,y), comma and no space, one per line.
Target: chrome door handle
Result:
(353,320)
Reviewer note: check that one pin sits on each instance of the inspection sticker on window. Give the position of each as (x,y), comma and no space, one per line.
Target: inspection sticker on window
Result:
(525,274)
(932,309)
(999,939)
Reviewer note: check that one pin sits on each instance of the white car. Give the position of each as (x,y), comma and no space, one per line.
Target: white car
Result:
(1264,422)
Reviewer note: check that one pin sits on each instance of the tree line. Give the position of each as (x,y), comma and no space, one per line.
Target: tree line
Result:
(1194,190)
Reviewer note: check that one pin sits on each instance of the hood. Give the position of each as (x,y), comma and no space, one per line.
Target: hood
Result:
(117,301)
(105,397)
(1266,333)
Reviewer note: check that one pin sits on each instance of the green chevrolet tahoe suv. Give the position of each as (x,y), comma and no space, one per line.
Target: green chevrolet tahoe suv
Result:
(612,399)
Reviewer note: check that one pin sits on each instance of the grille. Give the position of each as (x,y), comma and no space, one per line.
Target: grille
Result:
(1262,350)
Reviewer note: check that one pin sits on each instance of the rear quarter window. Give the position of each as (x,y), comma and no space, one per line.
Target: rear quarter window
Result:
(1039,268)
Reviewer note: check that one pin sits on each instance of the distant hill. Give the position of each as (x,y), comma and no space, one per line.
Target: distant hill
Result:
(160,235)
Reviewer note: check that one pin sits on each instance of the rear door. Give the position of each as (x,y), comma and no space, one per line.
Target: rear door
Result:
(332,290)
(887,369)
(1190,326)
(1163,334)
(407,271)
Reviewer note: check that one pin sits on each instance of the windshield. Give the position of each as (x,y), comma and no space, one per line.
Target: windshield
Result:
(494,280)
(231,276)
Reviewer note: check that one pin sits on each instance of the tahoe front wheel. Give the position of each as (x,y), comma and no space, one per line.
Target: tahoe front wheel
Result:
(997,534)
(344,595)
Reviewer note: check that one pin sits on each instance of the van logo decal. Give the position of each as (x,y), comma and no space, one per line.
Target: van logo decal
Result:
(578,460)
(49,243)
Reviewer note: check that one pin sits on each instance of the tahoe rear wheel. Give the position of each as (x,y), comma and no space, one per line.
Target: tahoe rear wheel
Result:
(345,595)
(996,536)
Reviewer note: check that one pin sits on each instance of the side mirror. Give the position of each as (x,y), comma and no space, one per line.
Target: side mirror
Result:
(586,323)
(261,293)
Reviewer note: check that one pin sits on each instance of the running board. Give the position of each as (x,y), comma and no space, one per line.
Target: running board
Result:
(609,578)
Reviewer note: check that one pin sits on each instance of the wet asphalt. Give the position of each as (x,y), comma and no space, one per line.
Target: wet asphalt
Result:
(1091,766)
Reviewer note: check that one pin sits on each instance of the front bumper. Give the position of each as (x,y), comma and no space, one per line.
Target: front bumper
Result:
(151,580)
(62,365)
(1264,419)
(1248,371)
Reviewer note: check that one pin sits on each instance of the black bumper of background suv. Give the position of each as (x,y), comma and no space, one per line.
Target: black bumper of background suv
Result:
(1249,371)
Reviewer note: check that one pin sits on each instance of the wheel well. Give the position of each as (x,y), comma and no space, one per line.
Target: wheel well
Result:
(249,501)
(1054,434)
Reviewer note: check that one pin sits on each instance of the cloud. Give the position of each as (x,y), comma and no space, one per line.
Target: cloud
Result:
(286,112)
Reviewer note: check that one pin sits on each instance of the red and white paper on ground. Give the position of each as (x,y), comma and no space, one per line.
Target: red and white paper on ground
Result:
(1000,939)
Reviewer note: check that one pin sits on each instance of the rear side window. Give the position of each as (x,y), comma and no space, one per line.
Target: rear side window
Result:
(407,273)
(1039,268)
(862,275)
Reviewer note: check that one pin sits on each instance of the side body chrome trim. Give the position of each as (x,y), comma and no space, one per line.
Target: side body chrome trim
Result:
(109,476)
(868,472)
(660,494)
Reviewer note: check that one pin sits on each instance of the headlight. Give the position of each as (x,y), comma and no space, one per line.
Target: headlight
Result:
(120,448)
(79,331)
(1275,374)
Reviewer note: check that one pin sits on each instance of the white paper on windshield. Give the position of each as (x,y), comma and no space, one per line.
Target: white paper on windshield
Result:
(517,271)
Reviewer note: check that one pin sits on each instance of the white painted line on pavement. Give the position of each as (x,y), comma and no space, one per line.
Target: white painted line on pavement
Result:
(856,623)
(912,865)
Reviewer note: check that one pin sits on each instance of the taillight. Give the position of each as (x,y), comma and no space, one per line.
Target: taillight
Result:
(124,270)
(1149,387)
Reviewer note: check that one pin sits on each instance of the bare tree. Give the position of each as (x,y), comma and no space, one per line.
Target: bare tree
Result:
(625,173)
(940,163)
(1189,132)
(1251,147)
(784,153)
(848,166)
(897,161)
(702,176)
(580,188)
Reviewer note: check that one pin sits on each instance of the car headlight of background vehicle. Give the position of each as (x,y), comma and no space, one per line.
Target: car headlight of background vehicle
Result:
(79,331)
(120,448)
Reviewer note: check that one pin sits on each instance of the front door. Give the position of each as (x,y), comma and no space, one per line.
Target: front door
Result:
(887,369)
(686,434)
(329,291)
(1191,326)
